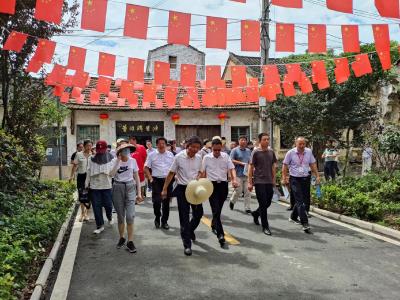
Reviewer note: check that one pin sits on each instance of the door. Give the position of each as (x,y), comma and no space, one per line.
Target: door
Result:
(183,132)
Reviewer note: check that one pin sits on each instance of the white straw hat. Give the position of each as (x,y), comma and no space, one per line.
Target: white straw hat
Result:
(198,191)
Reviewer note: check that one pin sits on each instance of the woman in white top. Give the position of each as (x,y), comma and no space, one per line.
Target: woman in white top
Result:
(80,165)
(124,195)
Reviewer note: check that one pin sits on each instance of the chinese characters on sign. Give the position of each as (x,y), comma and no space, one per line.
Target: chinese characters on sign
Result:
(139,128)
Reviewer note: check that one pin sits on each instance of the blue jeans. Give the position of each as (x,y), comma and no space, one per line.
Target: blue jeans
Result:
(100,199)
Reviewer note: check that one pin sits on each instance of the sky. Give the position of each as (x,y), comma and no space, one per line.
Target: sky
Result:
(112,41)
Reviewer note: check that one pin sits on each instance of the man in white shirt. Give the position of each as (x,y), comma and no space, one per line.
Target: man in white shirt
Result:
(186,167)
(215,167)
(159,162)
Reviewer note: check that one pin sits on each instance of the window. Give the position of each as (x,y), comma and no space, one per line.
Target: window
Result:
(172,62)
(236,132)
(91,132)
(52,157)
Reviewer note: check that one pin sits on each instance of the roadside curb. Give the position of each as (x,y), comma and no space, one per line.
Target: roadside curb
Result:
(41,281)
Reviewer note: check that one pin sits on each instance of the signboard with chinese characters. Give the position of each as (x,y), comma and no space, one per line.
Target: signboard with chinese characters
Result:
(139,128)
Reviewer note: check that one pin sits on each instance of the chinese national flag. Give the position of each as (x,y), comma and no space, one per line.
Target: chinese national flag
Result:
(250,35)
(285,38)
(362,65)
(210,97)
(319,72)
(76,92)
(149,93)
(133,101)
(126,89)
(237,96)
(384,57)
(136,21)
(288,3)
(271,74)
(15,41)
(179,28)
(381,36)
(188,75)
(216,33)
(316,38)
(106,65)
(103,85)
(7,6)
(57,75)
(94,97)
(76,59)
(223,94)
(170,94)
(253,81)
(345,6)
(293,73)
(269,92)
(190,97)
(173,83)
(388,8)
(34,66)
(64,97)
(80,79)
(121,102)
(342,70)
(94,15)
(58,90)
(161,72)
(49,10)
(350,38)
(136,69)
(44,51)
(305,84)
(238,74)
(213,76)
(288,87)
(252,94)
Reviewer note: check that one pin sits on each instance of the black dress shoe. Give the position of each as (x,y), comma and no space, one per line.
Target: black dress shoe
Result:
(213,230)
(193,237)
(255,218)
(165,226)
(306,228)
(289,208)
(188,251)
(221,240)
(157,223)
(267,231)
(231,205)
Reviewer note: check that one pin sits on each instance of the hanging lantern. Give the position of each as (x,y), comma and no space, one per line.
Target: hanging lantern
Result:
(222,117)
(103,116)
(175,118)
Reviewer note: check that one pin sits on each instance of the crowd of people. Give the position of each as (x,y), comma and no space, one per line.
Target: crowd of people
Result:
(116,178)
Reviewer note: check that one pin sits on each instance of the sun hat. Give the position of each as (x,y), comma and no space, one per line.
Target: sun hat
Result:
(123,146)
(198,191)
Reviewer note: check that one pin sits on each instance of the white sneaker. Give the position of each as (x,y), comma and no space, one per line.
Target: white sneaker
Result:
(99,230)
(111,222)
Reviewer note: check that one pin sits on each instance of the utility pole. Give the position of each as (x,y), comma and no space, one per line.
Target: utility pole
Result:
(59,144)
(265,46)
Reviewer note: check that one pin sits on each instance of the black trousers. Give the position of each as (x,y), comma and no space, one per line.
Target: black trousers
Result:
(330,170)
(217,200)
(264,193)
(158,203)
(301,192)
(187,226)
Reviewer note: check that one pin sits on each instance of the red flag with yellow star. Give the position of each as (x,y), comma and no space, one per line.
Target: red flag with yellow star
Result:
(388,8)
(384,57)
(94,15)
(250,33)
(213,76)
(342,70)
(15,41)
(382,37)
(126,89)
(44,51)
(94,97)
(33,66)
(361,66)
(216,32)
(133,101)
(135,69)
(210,97)
(179,28)
(136,21)
(288,87)
(293,73)
(161,72)
(305,84)
(76,59)
(106,65)
(238,75)
(103,85)
(284,38)
(49,10)
(57,75)
(80,79)
(149,93)
(350,38)
(316,38)
(318,71)
(7,6)
(288,3)
(271,74)
(170,94)
(252,94)
(188,75)
(345,6)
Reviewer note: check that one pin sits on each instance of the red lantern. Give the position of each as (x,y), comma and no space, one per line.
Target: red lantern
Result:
(222,117)
(175,118)
(103,116)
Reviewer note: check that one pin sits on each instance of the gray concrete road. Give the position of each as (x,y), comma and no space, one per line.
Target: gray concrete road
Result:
(332,263)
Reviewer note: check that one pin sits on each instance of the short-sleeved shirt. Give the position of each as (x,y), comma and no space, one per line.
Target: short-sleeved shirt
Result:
(125,170)
(159,163)
(217,167)
(186,168)
(82,162)
(204,151)
(150,151)
(330,152)
(263,162)
(299,163)
(242,155)
(140,162)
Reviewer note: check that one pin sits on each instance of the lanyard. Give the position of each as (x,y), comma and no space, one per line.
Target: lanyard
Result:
(301,159)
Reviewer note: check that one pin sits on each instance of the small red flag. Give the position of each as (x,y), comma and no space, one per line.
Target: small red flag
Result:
(288,3)
(57,75)
(76,92)
(250,33)
(76,59)
(136,21)
(170,94)
(252,94)
(350,37)
(33,66)
(238,96)
(238,74)
(94,97)
(58,90)
(388,8)
(316,38)
(7,6)
(213,76)
(284,38)
(293,73)
(210,97)
(382,37)
(94,15)
(15,41)
(80,79)
(223,94)
(64,97)
(361,66)
(161,72)
(126,89)
(318,71)
(305,84)
(49,10)
(345,6)
(106,65)
(288,87)
(342,70)
(136,69)
(133,101)
(384,57)
(179,28)
(149,93)
(188,75)
(216,33)
(44,51)
(271,74)
(269,91)
(103,85)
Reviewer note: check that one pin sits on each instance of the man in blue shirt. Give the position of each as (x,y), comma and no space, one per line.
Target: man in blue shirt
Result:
(240,157)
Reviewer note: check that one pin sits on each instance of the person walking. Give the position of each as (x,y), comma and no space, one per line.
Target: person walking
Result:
(262,175)
(216,167)
(329,155)
(156,170)
(80,166)
(98,180)
(240,157)
(79,148)
(125,191)
(140,155)
(186,167)
(295,173)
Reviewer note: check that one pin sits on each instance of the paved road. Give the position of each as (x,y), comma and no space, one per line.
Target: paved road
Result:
(332,263)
